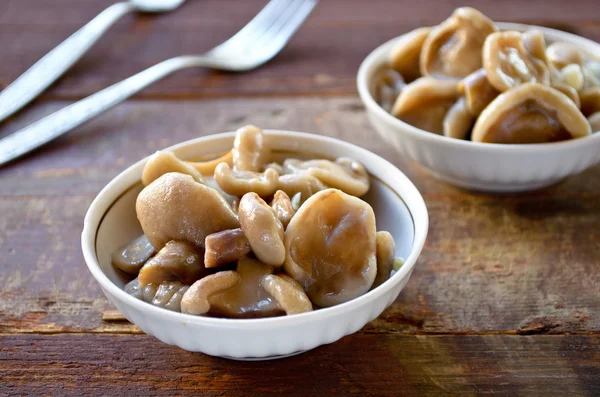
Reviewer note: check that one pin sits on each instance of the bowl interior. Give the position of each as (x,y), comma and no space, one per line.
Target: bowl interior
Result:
(118,222)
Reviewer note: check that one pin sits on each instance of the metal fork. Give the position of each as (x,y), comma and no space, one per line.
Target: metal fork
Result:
(255,44)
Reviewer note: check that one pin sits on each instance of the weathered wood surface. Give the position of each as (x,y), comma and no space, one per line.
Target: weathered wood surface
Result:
(363,365)
(501,267)
(321,59)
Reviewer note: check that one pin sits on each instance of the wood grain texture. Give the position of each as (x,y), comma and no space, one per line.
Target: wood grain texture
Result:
(321,59)
(397,366)
(476,274)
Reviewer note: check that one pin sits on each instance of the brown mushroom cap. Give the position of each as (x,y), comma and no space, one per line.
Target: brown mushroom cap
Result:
(175,207)
(287,292)
(225,247)
(590,101)
(238,183)
(530,113)
(458,120)
(176,261)
(163,162)
(386,253)
(262,229)
(169,295)
(283,207)
(560,54)
(452,50)
(345,174)
(405,55)
(250,149)
(131,257)
(388,84)
(330,247)
(477,91)
(508,63)
(233,294)
(535,43)
(425,102)
(305,184)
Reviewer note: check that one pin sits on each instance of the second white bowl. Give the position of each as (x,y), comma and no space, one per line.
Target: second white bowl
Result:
(481,166)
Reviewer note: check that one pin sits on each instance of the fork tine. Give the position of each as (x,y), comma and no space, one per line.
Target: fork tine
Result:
(254,27)
(277,36)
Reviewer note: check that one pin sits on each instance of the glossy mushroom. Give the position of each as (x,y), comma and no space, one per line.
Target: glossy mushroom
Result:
(282,205)
(594,121)
(131,257)
(175,207)
(386,249)
(406,53)
(561,54)
(452,50)
(388,85)
(535,43)
(233,294)
(225,247)
(208,167)
(331,248)
(458,120)
(345,174)
(572,75)
(303,184)
(508,63)
(163,162)
(250,149)
(176,261)
(568,91)
(477,91)
(262,229)
(530,113)
(287,292)
(169,295)
(238,183)
(425,102)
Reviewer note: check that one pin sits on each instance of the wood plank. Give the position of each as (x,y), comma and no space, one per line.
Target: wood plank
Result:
(322,59)
(366,365)
(475,274)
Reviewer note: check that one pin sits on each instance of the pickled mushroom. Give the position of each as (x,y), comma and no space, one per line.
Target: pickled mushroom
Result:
(458,120)
(250,149)
(561,54)
(477,91)
(303,184)
(530,113)
(225,247)
(590,101)
(175,207)
(405,56)
(176,261)
(331,248)
(282,205)
(238,183)
(131,257)
(162,162)
(386,249)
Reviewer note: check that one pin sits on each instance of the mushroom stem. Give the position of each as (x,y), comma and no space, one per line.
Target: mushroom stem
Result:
(208,167)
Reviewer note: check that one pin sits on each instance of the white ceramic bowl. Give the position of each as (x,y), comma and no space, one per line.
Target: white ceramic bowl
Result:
(482,166)
(111,222)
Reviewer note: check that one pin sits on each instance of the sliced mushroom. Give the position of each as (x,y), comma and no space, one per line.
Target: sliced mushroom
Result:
(225,247)
(530,113)
(590,101)
(508,63)
(331,248)
(305,185)
(425,102)
(169,295)
(405,55)
(452,50)
(131,257)
(561,54)
(133,289)
(287,292)
(477,91)
(161,163)
(262,229)
(572,75)
(176,261)
(175,207)
(250,149)
(386,251)
(283,207)
(535,44)
(568,91)
(233,294)
(345,174)
(594,121)
(238,183)
(458,120)
(208,167)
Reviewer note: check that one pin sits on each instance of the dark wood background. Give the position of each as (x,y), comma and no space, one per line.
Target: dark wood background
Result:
(505,298)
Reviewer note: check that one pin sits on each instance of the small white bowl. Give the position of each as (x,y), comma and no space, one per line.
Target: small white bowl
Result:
(482,166)
(111,222)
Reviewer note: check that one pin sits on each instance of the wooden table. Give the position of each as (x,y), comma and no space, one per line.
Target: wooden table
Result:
(505,298)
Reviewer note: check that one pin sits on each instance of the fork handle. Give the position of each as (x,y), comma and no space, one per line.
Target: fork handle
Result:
(48,69)
(67,118)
